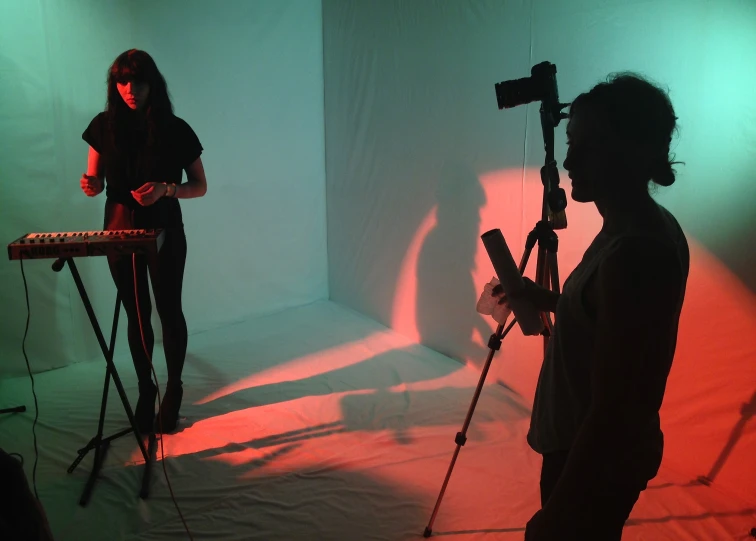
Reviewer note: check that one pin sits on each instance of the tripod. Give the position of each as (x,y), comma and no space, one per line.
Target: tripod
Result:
(547,273)
(99,443)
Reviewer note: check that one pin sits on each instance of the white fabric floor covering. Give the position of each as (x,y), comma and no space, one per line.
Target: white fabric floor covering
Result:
(315,423)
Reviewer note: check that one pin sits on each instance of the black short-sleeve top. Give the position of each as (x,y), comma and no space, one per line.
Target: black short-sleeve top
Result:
(130,160)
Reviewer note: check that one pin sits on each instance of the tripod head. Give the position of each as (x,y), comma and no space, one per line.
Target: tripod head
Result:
(541,86)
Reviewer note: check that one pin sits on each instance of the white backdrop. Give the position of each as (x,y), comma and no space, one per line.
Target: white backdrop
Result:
(420,162)
(248,78)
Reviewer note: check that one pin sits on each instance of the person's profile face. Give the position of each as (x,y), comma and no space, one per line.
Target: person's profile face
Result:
(134,93)
(590,155)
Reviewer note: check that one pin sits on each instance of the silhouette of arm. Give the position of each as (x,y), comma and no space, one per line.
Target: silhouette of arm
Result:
(638,289)
(196,183)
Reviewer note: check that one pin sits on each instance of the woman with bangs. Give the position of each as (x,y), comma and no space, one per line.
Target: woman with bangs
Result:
(138,152)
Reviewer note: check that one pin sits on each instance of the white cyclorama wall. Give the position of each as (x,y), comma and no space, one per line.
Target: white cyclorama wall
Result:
(247,76)
(54,56)
(420,162)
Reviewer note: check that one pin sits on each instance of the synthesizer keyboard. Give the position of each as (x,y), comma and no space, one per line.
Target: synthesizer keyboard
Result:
(86,244)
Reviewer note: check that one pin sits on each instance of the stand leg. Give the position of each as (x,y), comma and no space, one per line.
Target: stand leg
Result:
(151,450)
(494,345)
(17,409)
(98,443)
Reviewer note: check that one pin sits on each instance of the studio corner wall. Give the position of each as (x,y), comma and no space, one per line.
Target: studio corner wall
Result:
(248,78)
(420,162)
(54,56)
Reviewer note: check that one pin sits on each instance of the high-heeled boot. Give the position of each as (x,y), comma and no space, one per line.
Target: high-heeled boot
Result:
(169,408)
(144,414)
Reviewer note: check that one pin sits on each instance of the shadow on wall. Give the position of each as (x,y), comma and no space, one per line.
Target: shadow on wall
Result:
(446,294)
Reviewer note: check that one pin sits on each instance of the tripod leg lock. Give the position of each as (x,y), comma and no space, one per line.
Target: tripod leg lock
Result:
(494,342)
(460,439)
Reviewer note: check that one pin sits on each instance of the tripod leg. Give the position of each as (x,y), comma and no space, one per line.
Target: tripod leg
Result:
(542,269)
(553,274)
(554,271)
(494,344)
(547,271)
(543,280)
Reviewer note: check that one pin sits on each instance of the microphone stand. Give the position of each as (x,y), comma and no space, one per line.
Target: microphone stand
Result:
(547,273)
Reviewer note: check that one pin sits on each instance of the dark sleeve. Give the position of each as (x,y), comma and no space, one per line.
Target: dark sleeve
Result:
(95,132)
(188,145)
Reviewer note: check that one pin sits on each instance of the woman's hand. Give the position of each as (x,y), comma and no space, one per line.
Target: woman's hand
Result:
(494,305)
(544,300)
(148,193)
(91,185)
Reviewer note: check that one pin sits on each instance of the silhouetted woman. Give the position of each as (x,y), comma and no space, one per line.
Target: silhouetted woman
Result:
(595,415)
(138,151)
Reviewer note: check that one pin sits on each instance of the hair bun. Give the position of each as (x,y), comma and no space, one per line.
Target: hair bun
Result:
(665,176)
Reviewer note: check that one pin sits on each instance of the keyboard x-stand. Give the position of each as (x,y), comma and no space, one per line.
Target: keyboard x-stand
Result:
(64,247)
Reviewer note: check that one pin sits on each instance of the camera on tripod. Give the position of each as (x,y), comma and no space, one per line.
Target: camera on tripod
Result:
(540,86)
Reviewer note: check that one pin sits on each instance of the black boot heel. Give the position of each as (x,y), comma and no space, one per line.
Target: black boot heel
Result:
(169,410)
(144,414)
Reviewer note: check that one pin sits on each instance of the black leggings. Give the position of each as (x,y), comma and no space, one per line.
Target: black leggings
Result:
(167,274)
(602,514)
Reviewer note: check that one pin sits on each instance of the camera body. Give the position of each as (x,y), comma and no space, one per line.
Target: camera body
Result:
(540,86)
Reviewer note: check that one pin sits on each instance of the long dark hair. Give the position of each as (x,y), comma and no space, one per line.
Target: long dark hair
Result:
(140,67)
